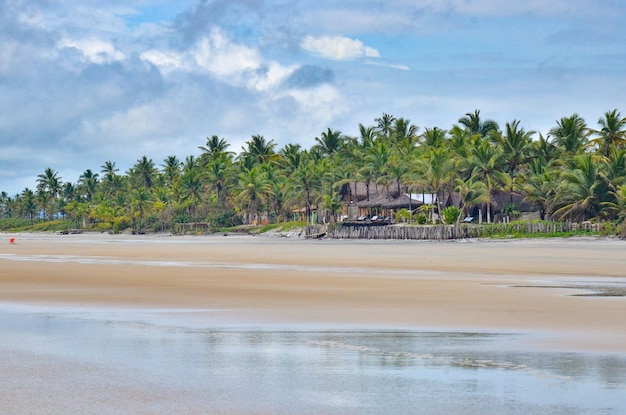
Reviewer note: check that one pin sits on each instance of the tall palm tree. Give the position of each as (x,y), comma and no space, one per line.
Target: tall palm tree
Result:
(171,169)
(291,155)
(144,172)
(258,150)
(385,124)
(218,173)
(474,125)
(438,172)
(433,137)
(141,201)
(330,142)
(109,170)
(214,146)
(486,163)
(87,183)
(404,133)
(571,134)
(253,189)
(612,133)
(544,148)
(191,191)
(515,144)
(49,183)
(306,180)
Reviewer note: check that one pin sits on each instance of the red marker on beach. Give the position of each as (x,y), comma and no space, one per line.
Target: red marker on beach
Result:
(12,240)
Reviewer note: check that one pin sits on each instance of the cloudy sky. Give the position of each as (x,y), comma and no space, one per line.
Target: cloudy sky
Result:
(86,81)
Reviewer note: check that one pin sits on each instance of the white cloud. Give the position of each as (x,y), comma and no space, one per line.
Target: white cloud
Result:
(232,63)
(338,47)
(165,60)
(94,50)
(218,55)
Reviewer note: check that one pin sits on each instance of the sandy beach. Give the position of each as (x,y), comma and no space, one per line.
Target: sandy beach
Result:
(571,289)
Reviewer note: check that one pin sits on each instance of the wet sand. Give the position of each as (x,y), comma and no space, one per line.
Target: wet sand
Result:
(523,285)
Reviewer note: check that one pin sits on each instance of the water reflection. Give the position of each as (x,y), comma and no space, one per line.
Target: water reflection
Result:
(300,372)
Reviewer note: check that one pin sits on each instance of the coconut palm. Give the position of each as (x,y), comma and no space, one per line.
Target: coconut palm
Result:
(612,133)
(258,151)
(540,187)
(616,167)
(88,183)
(474,125)
(473,193)
(385,124)
(214,146)
(191,191)
(141,200)
(253,189)
(404,133)
(218,173)
(109,170)
(544,148)
(330,142)
(433,137)
(582,190)
(143,172)
(290,155)
(571,134)
(486,164)
(438,172)
(171,169)
(306,180)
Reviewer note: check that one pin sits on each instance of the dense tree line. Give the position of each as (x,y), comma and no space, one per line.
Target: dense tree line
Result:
(574,172)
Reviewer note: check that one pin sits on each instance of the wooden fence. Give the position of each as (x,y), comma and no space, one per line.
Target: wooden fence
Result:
(443,232)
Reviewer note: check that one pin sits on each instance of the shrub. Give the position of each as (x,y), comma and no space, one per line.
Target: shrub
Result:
(451,214)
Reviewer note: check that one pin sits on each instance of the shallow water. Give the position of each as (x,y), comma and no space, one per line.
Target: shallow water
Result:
(114,362)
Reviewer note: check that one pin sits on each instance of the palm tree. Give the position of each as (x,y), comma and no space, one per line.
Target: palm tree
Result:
(88,182)
(612,133)
(253,190)
(515,144)
(191,189)
(438,172)
(214,146)
(571,134)
(433,137)
(306,181)
(28,205)
(144,172)
(291,155)
(330,143)
(218,173)
(171,169)
(540,186)
(140,202)
(49,183)
(544,148)
(404,133)
(616,167)
(109,170)
(473,193)
(384,124)
(258,150)
(582,190)
(377,158)
(474,125)
(486,163)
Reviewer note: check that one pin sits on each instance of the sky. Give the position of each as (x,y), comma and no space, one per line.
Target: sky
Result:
(83,82)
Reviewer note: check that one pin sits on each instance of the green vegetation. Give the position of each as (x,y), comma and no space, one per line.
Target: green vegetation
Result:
(574,173)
